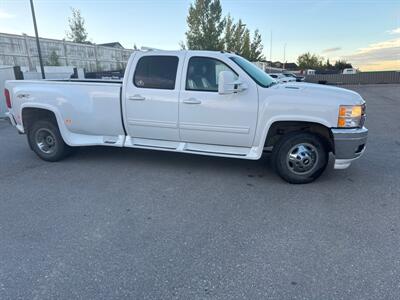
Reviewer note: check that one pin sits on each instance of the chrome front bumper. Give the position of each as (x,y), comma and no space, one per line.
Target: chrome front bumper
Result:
(349,145)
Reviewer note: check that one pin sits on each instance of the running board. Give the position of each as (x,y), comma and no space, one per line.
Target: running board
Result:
(195,148)
(217,149)
(213,152)
(159,144)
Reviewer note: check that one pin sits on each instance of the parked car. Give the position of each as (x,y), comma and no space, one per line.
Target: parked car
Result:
(281,78)
(199,102)
(297,77)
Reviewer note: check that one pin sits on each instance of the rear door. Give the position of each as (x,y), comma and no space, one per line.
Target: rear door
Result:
(151,96)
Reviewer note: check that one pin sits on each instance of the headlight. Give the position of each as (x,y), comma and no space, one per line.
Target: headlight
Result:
(351,116)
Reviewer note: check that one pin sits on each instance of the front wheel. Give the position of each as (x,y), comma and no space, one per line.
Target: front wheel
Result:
(46,141)
(300,157)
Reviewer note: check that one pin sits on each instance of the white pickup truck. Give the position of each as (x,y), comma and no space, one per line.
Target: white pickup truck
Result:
(200,102)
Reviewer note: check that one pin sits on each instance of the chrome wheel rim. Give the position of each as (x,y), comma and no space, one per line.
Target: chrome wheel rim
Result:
(45,141)
(302,158)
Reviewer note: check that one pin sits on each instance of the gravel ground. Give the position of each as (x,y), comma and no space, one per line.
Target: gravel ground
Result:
(122,223)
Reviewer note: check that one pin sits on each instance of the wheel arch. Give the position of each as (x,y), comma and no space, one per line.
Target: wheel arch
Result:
(32,113)
(278,129)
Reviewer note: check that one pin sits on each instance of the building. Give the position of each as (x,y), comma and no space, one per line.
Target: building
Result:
(291,67)
(21,50)
(276,67)
(112,45)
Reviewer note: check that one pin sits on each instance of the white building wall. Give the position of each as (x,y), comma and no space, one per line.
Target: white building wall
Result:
(21,50)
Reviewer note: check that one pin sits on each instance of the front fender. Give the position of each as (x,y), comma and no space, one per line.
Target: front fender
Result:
(291,118)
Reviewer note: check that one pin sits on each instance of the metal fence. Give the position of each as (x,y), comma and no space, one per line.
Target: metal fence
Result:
(6,73)
(21,50)
(359,78)
(11,73)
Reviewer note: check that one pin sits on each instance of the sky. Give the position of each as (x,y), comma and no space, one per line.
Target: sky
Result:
(364,32)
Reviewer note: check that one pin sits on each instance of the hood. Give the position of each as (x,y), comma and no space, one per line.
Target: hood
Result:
(320,92)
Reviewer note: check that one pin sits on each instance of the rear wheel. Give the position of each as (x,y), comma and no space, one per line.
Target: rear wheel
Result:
(300,157)
(46,141)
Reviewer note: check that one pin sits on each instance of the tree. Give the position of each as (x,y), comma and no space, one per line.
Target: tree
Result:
(182,45)
(328,65)
(238,36)
(256,47)
(208,31)
(120,66)
(245,44)
(205,25)
(340,65)
(53,59)
(237,39)
(309,61)
(77,31)
(99,67)
(229,38)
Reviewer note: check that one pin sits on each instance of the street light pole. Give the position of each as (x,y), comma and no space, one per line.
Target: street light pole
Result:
(284,56)
(37,40)
(270,53)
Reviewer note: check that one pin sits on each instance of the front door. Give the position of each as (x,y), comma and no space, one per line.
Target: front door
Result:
(207,117)
(151,96)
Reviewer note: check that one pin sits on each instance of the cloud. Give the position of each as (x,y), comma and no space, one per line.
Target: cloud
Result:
(388,65)
(394,31)
(378,56)
(5,15)
(334,49)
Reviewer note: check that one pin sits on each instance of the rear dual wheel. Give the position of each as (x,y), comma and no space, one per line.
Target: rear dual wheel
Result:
(46,141)
(300,157)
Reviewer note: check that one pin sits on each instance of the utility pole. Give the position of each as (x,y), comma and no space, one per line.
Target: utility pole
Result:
(37,40)
(284,56)
(270,53)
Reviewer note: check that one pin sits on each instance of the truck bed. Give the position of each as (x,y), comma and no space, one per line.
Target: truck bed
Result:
(87,108)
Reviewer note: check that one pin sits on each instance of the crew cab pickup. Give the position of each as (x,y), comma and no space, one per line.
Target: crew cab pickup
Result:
(199,102)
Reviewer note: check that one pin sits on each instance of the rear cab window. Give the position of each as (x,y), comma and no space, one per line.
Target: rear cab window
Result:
(156,72)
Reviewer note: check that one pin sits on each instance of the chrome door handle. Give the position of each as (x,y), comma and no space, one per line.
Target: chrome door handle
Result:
(137,98)
(192,101)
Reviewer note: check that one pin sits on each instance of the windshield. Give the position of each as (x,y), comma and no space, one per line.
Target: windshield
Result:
(254,72)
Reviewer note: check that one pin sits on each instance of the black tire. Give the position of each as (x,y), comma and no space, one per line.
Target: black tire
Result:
(300,157)
(46,141)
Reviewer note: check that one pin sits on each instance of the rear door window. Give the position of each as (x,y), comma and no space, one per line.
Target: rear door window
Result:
(156,72)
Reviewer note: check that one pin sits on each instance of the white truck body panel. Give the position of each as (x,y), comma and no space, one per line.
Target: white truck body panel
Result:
(87,113)
(181,120)
(151,113)
(228,120)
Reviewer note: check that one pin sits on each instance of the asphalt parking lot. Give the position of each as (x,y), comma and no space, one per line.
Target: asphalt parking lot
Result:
(122,223)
